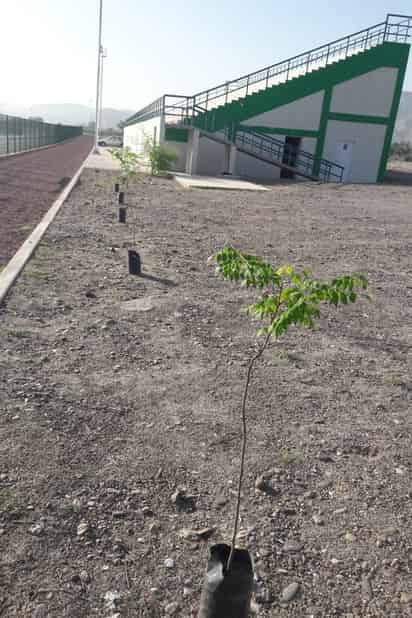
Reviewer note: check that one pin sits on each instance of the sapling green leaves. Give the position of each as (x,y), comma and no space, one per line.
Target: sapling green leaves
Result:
(289,298)
(129,163)
(286,298)
(160,158)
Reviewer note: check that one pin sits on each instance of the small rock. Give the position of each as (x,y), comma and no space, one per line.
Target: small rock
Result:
(263,596)
(40,611)
(187,591)
(172,609)
(292,546)
(406,598)
(84,577)
(169,563)
(254,607)
(37,529)
(196,535)
(308,495)
(325,484)
(261,483)
(182,501)
(349,537)
(82,528)
(220,501)
(366,589)
(318,520)
(154,527)
(289,593)
(325,457)
(112,598)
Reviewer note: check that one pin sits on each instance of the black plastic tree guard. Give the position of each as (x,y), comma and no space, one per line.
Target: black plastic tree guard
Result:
(116,187)
(120,198)
(135,265)
(122,214)
(227,595)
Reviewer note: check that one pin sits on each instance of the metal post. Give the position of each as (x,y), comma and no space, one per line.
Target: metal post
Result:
(103,56)
(327,56)
(99,60)
(7,134)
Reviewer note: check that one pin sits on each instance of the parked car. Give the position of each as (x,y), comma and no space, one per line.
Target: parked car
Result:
(111,140)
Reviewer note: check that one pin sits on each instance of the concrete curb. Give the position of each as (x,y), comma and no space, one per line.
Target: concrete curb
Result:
(14,267)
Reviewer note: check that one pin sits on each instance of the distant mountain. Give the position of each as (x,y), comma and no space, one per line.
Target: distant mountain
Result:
(403,129)
(67,113)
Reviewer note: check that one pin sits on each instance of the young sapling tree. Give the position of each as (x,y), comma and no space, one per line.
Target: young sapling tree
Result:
(129,163)
(160,158)
(285,298)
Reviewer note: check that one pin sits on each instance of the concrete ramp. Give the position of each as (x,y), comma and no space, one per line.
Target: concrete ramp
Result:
(216,182)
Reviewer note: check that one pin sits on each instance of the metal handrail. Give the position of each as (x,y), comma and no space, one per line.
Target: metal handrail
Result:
(304,162)
(364,39)
(395,28)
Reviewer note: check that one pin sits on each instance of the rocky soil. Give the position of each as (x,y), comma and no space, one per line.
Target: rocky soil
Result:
(119,425)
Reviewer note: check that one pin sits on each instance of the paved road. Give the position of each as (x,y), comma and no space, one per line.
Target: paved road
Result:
(29,184)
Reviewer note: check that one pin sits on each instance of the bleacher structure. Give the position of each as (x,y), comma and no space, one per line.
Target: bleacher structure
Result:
(326,115)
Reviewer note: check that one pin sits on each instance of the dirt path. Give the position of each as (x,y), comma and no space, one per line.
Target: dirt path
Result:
(29,183)
(116,391)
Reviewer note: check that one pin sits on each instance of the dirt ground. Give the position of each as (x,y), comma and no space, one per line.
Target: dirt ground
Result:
(117,390)
(29,184)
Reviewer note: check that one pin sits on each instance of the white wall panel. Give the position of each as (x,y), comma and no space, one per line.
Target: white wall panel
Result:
(367,145)
(370,94)
(301,114)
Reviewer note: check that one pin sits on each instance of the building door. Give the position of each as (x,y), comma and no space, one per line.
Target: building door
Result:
(344,158)
(290,154)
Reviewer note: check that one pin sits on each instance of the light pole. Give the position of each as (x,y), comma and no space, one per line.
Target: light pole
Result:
(99,62)
(103,56)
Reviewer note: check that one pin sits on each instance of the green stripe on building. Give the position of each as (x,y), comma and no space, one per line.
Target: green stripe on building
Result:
(175,134)
(358,118)
(394,112)
(320,144)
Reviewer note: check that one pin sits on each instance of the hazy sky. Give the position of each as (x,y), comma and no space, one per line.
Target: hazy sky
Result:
(48,47)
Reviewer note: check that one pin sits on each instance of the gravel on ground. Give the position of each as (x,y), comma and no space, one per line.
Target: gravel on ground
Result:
(120,396)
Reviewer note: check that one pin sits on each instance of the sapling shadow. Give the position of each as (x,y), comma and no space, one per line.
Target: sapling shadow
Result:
(285,298)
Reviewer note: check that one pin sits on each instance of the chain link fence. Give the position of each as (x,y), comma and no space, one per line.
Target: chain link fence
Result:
(20,134)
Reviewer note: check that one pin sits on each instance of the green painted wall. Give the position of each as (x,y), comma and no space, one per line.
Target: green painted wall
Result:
(175,134)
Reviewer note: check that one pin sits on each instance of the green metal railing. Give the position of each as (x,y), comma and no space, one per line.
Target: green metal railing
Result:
(282,154)
(396,28)
(20,134)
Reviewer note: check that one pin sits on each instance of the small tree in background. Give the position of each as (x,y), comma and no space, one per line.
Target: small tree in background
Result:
(286,298)
(160,158)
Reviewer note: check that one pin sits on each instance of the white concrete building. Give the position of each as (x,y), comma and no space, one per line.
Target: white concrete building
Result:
(328,114)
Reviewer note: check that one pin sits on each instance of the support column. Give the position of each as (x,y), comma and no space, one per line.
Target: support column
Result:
(192,152)
(230,159)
